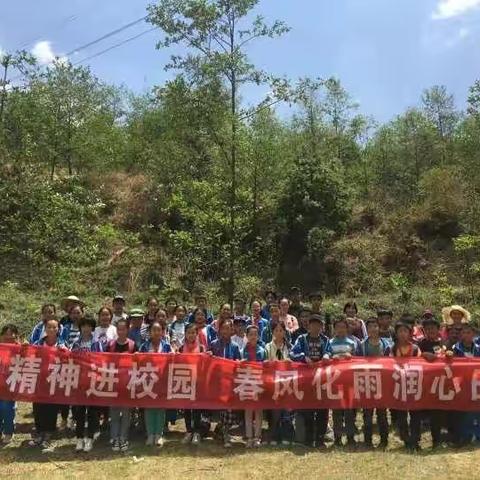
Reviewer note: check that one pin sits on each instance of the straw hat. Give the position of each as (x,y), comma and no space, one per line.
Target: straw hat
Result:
(447,311)
(71,299)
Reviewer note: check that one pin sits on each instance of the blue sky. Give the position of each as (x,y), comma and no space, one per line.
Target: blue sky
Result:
(384,51)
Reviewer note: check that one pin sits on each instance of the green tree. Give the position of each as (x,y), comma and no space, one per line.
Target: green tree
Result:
(215,34)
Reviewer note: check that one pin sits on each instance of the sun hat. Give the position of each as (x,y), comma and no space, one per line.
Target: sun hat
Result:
(71,299)
(447,312)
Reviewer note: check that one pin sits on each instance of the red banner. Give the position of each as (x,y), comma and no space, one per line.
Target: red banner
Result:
(42,374)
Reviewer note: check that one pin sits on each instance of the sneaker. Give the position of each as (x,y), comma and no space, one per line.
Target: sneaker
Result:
(47,446)
(35,442)
(227,442)
(257,443)
(124,446)
(7,439)
(150,441)
(187,438)
(273,443)
(329,434)
(116,445)
(159,441)
(196,439)
(96,435)
(88,445)
(286,443)
(79,445)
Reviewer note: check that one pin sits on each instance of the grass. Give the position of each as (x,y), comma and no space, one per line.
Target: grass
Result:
(211,461)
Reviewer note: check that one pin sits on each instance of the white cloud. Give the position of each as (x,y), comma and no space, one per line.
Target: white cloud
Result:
(464,32)
(454,8)
(43,52)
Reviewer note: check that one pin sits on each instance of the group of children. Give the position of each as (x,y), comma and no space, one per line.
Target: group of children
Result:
(271,332)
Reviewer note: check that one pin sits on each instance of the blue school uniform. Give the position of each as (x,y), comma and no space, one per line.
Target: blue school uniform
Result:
(364,349)
(80,346)
(265,313)
(228,350)
(340,346)
(261,325)
(459,350)
(260,354)
(39,331)
(164,347)
(70,334)
(302,347)
(137,335)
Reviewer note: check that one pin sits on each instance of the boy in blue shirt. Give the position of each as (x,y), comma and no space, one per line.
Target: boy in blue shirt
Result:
(341,346)
(310,348)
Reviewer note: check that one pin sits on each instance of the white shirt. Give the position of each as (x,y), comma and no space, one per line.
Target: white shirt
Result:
(105,334)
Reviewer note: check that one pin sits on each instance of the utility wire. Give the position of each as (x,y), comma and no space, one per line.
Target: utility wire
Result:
(107,35)
(123,42)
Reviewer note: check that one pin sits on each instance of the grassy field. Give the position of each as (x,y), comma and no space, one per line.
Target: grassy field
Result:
(210,460)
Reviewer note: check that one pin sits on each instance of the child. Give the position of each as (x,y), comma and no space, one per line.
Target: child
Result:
(45,414)
(374,346)
(118,307)
(201,302)
(310,348)
(152,309)
(403,347)
(193,418)
(267,333)
(225,348)
(280,427)
(120,416)
(303,318)
(239,330)
(136,323)
(270,298)
(257,319)
(86,343)
(177,328)
(71,329)
(155,417)
(253,418)
(341,346)
(289,320)
(432,347)
(239,306)
(105,332)
(170,307)
(206,333)
(359,329)
(465,425)
(47,312)
(385,319)
(9,334)
(296,305)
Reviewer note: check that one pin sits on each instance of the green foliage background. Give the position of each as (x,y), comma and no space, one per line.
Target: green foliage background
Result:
(104,191)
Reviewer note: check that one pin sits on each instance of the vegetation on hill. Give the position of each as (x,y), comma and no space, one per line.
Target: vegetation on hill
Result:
(186,188)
